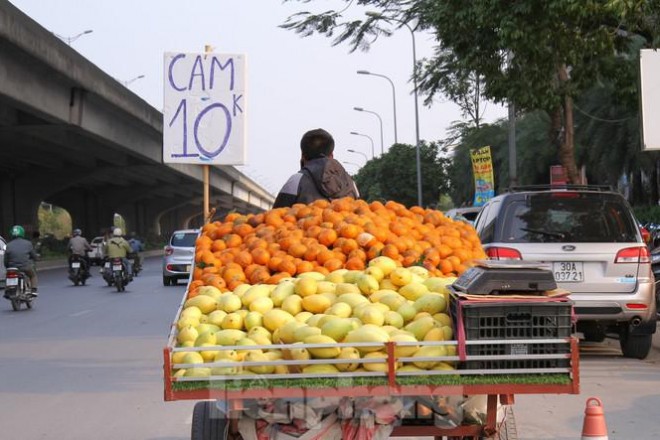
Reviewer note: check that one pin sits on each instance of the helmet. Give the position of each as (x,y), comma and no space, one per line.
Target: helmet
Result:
(117,232)
(17,231)
(77,232)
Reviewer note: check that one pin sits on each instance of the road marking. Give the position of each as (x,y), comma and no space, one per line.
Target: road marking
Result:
(83,312)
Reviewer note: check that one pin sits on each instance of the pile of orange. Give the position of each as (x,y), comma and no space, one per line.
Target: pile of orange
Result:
(328,235)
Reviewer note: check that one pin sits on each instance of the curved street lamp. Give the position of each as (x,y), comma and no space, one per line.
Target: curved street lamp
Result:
(414,54)
(360,109)
(366,72)
(132,80)
(370,139)
(351,163)
(70,40)
(359,152)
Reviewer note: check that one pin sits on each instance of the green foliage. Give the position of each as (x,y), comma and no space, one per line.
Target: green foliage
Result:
(393,176)
(54,221)
(647,214)
(537,54)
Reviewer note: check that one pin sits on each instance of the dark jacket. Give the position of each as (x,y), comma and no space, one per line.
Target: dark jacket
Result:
(19,253)
(321,178)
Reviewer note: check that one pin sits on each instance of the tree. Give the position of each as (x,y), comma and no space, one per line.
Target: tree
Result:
(393,175)
(538,54)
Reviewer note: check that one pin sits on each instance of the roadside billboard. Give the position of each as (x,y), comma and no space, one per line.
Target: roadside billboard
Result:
(204,108)
(484,182)
(649,69)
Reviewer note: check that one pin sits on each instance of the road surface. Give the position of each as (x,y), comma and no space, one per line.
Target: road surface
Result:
(86,363)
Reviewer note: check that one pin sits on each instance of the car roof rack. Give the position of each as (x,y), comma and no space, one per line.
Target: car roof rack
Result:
(548,187)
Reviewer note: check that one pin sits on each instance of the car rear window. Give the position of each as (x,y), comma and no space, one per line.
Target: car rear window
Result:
(184,239)
(568,217)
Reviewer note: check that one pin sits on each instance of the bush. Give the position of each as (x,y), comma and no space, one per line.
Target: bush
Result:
(647,214)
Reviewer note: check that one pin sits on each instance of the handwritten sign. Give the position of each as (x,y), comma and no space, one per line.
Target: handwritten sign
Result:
(482,167)
(204,109)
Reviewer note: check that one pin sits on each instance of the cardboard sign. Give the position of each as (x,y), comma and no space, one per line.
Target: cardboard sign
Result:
(204,108)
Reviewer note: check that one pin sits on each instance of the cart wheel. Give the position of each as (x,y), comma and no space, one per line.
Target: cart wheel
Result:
(16,305)
(208,423)
(28,304)
(506,429)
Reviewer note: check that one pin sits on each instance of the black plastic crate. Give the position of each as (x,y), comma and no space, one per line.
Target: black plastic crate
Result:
(511,320)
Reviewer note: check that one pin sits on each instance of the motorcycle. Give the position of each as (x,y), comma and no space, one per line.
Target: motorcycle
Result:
(18,289)
(134,259)
(78,270)
(119,274)
(106,272)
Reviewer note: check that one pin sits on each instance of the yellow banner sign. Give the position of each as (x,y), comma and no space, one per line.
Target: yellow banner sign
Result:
(484,182)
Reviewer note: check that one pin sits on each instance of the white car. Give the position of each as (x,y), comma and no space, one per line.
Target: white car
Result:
(96,255)
(179,256)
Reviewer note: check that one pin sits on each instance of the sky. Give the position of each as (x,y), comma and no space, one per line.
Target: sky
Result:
(293,84)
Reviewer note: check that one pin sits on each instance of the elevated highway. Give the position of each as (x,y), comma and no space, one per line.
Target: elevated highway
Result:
(73,136)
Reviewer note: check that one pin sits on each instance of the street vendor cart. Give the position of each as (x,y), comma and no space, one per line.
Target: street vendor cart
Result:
(505,344)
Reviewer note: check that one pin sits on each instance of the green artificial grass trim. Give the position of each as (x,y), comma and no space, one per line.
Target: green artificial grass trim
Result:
(347,382)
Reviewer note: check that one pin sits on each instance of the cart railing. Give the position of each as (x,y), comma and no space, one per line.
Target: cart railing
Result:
(534,376)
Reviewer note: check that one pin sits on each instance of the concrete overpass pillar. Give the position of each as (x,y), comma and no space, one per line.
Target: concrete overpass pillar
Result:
(19,205)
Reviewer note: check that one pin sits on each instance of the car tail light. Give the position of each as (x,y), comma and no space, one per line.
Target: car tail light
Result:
(636,306)
(168,250)
(169,267)
(633,255)
(646,235)
(501,253)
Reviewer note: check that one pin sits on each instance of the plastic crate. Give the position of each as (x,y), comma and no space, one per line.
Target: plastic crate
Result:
(510,320)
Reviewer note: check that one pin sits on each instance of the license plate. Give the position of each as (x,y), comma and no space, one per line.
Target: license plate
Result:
(568,271)
(116,267)
(75,265)
(518,349)
(12,281)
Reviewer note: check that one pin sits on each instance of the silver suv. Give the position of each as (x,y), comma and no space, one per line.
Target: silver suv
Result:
(179,256)
(589,238)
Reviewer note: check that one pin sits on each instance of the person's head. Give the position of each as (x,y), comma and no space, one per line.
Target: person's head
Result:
(315,144)
(77,232)
(116,232)
(17,231)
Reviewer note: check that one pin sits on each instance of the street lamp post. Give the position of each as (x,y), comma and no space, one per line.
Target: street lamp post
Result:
(360,109)
(365,72)
(132,80)
(360,153)
(369,137)
(414,54)
(70,40)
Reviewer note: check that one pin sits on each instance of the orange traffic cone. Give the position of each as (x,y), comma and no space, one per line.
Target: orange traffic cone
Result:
(594,427)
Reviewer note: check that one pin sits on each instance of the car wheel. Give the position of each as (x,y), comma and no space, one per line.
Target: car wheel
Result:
(635,346)
(166,281)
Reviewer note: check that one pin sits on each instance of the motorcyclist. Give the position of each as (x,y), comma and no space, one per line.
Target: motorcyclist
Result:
(117,247)
(20,254)
(78,245)
(137,247)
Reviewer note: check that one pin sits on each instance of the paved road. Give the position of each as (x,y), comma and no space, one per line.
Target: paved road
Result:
(86,363)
